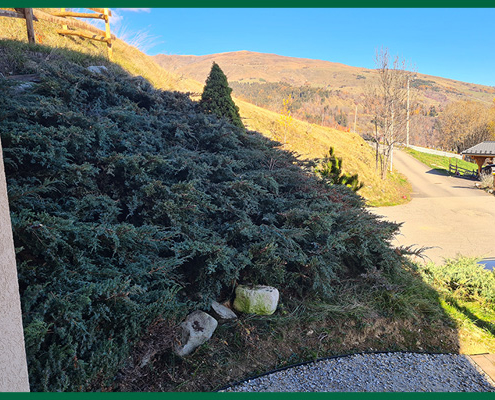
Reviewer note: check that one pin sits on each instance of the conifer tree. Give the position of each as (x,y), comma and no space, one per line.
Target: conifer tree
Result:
(216,97)
(331,171)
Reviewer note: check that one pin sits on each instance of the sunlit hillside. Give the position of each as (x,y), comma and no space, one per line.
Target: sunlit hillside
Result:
(308,140)
(314,141)
(247,66)
(328,93)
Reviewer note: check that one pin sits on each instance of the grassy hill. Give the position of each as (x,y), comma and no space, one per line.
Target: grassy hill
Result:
(246,66)
(130,208)
(314,141)
(308,140)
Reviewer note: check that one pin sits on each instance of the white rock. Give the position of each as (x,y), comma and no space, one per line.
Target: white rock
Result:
(197,328)
(97,69)
(261,300)
(222,312)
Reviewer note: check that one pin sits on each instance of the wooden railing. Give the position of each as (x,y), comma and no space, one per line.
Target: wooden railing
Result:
(101,13)
(454,169)
(67,19)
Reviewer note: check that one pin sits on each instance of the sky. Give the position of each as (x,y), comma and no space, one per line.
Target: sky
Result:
(451,43)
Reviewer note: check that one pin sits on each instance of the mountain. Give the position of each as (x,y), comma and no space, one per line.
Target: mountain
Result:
(247,66)
(323,92)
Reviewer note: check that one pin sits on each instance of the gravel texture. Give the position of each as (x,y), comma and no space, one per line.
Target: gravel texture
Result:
(379,372)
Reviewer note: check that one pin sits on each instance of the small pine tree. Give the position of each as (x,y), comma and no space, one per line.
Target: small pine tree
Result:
(216,97)
(331,171)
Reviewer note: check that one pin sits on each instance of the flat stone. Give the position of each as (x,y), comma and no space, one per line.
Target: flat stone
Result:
(222,312)
(261,300)
(196,329)
(486,362)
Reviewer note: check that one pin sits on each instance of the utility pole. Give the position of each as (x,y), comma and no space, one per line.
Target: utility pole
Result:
(355,117)
(392,139)
(407,119)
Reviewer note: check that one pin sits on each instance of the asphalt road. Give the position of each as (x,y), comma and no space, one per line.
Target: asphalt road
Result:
(446,213)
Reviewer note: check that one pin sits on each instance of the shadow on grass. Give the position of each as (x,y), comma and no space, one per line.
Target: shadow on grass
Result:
(480,323)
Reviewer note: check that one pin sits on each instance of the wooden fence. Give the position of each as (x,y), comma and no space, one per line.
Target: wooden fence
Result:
(67,19)
(454,169)
(24,13)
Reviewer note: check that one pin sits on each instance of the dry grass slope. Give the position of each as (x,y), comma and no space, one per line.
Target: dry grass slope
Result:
(308,140)
(314,141)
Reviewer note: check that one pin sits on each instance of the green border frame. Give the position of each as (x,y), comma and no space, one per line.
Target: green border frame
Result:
(245,396)
(252,4)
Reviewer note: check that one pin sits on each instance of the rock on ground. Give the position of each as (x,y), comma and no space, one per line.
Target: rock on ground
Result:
(222,312)
(197,328)
(261,300)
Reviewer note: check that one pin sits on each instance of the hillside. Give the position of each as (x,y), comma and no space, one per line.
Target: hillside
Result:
(131,208)
(251,67)
(246,66)
(326,93)
(309,140)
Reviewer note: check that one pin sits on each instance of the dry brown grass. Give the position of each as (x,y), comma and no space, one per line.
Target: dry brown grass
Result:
(251,346)
(254,67)
(314,141)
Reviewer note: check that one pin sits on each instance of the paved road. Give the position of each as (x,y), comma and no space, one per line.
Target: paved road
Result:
(447,213)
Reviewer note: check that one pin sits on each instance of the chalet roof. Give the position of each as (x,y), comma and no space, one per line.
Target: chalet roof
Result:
(483,148)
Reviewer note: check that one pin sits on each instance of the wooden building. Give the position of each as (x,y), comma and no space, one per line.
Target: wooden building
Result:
(480,153)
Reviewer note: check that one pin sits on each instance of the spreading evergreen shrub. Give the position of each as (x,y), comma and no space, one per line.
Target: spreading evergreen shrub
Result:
(216,98)
(463,277)
(127,202)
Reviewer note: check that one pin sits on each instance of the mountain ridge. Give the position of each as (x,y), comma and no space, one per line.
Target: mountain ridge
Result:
(232,61)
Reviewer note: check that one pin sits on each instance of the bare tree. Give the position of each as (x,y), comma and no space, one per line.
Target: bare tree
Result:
(373,104)
(387,101)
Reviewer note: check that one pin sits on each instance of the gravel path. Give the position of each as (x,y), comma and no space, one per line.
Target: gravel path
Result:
(381,372)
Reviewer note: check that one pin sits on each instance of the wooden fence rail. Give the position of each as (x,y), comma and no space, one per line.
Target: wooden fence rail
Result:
(68,20)
(454,169)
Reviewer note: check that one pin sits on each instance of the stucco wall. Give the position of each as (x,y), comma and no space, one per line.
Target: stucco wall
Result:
(13,366)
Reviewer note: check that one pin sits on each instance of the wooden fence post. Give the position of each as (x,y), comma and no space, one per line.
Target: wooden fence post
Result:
(108,35)
(64,27)
(28,14)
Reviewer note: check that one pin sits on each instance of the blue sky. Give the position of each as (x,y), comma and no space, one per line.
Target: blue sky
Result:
(452,43)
